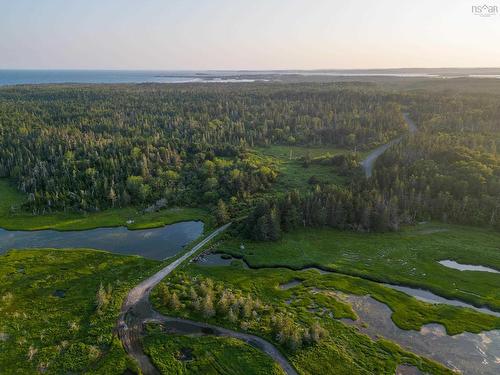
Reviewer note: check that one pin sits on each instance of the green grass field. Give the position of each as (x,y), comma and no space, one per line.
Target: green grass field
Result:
(344,351)
(49,321)
(293,175)
(21,220)
(409,257)
(206,356)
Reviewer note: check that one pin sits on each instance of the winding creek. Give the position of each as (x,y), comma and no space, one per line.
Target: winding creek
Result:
(157,243)
(429,297)
(476,354)
(468,353)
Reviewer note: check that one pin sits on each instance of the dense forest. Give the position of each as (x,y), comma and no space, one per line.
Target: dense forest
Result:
(94,147)
(448,171)
(329,206)
(71,147)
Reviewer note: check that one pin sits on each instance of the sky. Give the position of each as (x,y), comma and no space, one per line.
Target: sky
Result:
(251,34)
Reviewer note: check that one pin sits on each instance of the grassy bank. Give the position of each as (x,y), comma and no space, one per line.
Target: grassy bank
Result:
(49,316)
(409,257)
(12,217)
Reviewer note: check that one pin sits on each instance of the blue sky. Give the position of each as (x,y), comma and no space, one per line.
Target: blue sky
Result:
(236,34)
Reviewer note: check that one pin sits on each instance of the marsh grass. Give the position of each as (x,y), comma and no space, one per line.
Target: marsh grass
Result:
(56,335)
(409,257)
(342,351)
(206,355)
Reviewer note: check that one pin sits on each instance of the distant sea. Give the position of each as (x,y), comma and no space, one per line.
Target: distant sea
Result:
(16,77)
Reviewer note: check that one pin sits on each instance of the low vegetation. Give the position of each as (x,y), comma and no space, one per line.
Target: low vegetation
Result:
(59,308)
(409,257)
(301,167)
(287,313)
(206,355)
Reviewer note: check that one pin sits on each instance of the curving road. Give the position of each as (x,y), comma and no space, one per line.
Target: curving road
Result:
(137,310)
(185,326)
(369,161)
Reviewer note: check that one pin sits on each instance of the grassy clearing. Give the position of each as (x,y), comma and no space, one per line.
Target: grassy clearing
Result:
(49,320)
(343,351)
(20,220)
(283,152)
(293,175)
(409,257)
(206,355)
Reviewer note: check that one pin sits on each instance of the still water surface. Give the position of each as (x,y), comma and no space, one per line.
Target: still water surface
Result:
(157,243)
(466,267)
(467,353)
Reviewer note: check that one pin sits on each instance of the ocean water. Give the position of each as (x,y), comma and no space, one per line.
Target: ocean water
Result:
(17,77)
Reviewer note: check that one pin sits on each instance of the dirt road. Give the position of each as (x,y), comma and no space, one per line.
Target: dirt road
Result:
(137,310)
(369,161)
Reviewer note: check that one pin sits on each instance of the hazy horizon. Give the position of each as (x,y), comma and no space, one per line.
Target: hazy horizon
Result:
(191,35)
(261,70)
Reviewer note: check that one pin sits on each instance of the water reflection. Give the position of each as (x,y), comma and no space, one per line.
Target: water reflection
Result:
(219,260)
(466,267)
(429,297)
(466,352)
(158,243)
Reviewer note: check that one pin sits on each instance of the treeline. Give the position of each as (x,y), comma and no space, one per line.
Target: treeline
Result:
(450,169)
(434,176)
(94,147)
(466,114)
(354,208)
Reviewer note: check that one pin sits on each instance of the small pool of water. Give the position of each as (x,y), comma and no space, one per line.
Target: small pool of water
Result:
(188,328)
(408,370)
(59,293)
(466,267)
(475,354)
(429,297)
(218,260)
(156,243)
(290,284)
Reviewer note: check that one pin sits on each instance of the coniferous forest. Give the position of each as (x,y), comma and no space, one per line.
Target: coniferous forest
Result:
(89,148)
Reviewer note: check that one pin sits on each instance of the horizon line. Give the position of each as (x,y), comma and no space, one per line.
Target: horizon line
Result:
(249,70)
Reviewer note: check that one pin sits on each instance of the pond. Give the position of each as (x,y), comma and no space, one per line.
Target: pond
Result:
(215,259)
(468,353)
(290,284)
(429,297)
(156,243)
(466,267)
